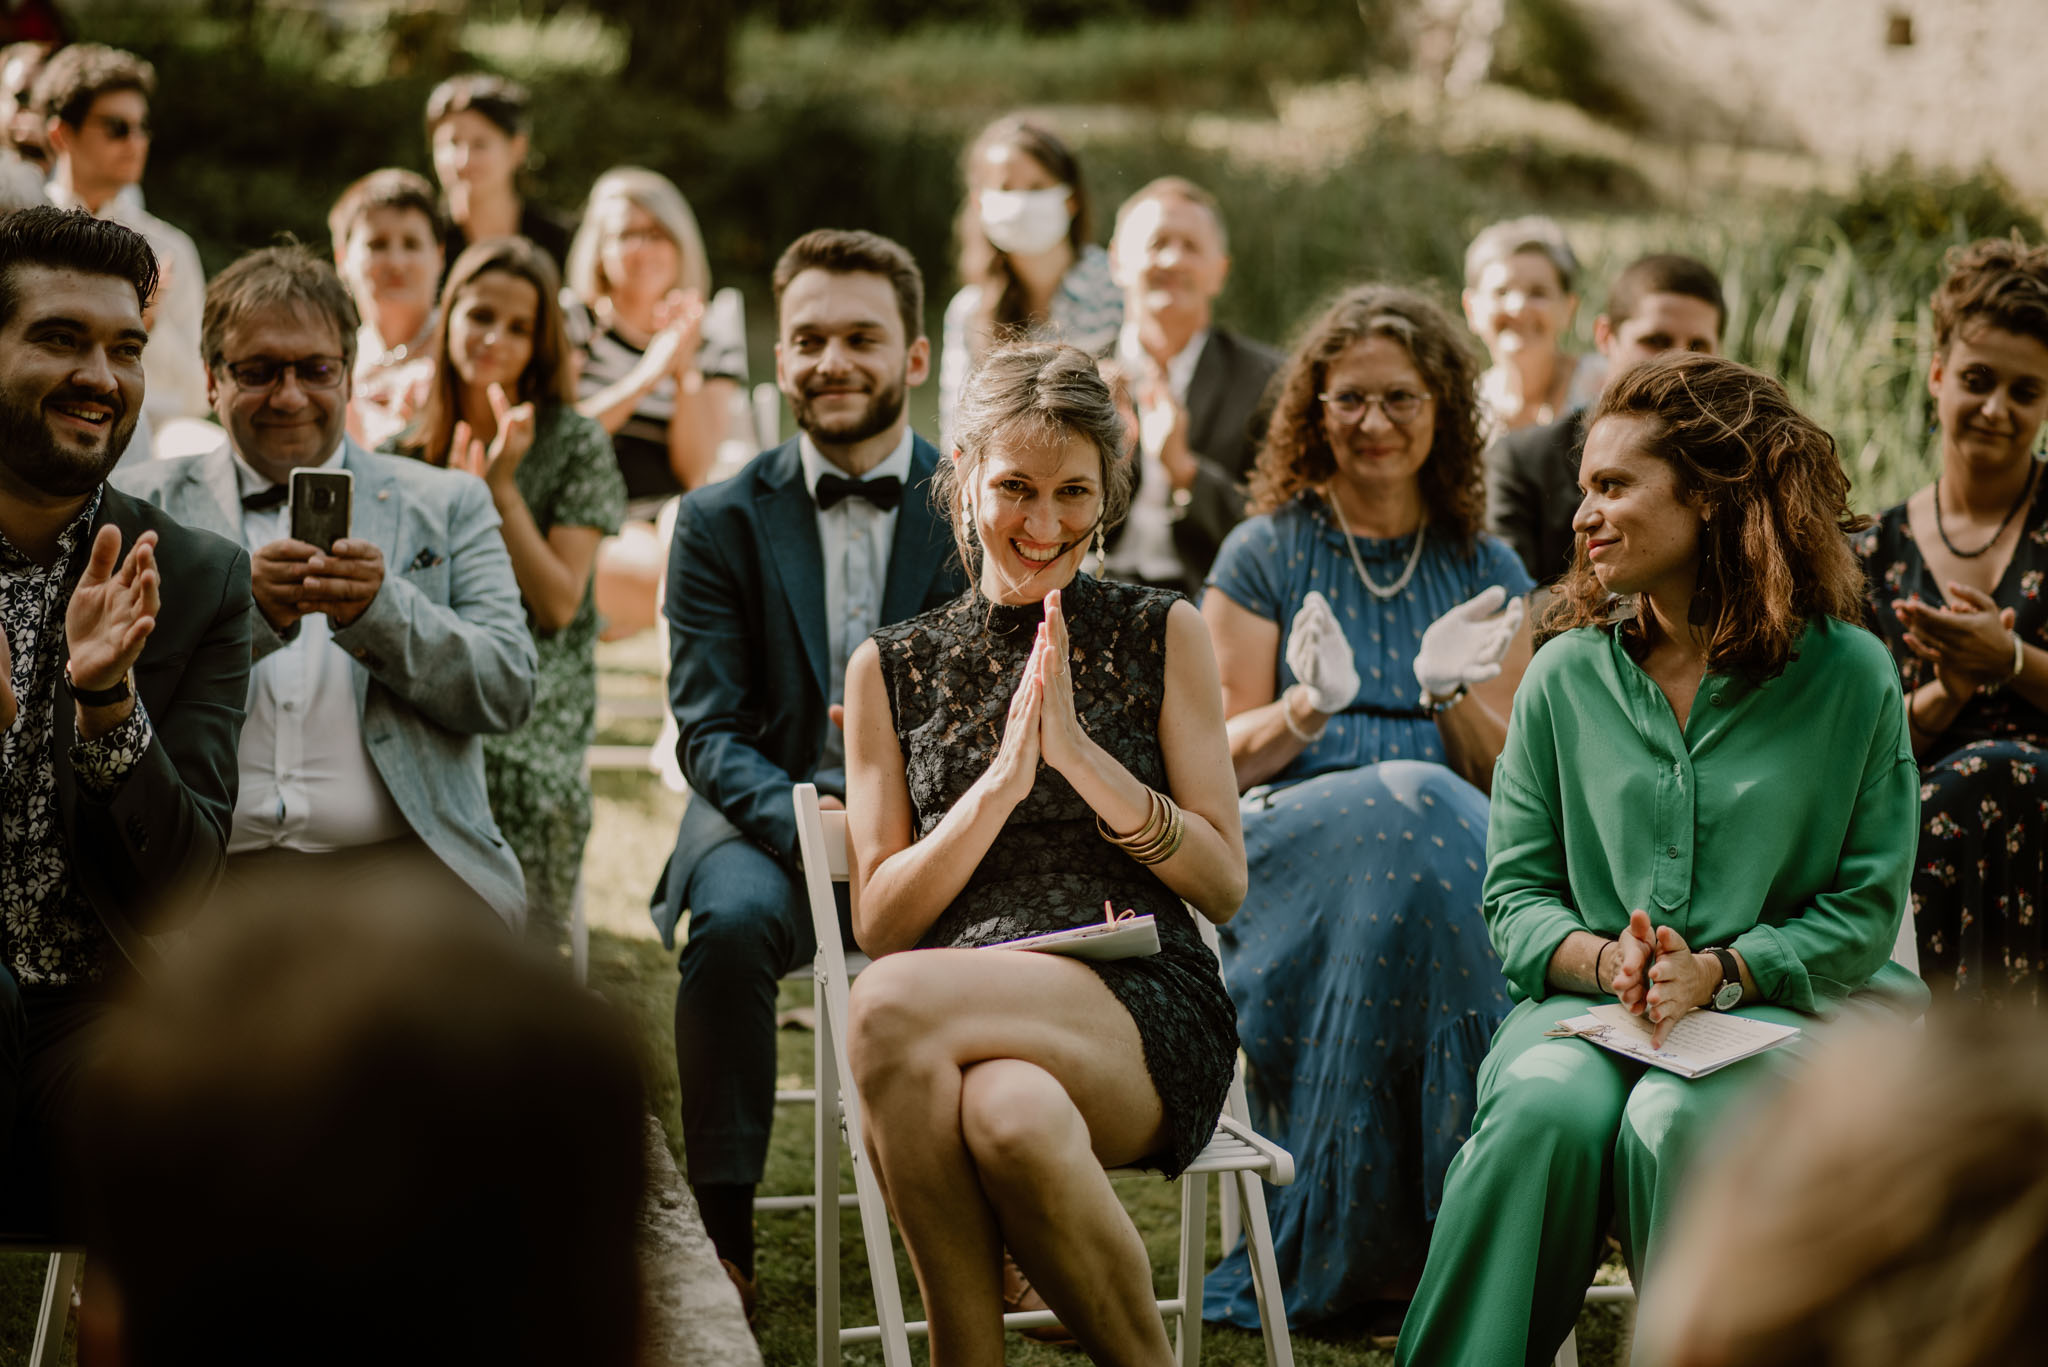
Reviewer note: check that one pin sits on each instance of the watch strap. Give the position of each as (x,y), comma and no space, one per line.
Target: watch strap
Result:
(99,697)
(1731,974)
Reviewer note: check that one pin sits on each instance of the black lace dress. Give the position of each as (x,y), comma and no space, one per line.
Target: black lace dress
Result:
(950,674)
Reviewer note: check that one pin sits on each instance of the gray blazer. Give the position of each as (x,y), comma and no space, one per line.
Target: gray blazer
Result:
(443,649)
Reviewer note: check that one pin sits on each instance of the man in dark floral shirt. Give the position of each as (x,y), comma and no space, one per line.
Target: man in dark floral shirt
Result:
(122,704)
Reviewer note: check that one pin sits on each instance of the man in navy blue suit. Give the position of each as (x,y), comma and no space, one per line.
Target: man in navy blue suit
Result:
(774,577)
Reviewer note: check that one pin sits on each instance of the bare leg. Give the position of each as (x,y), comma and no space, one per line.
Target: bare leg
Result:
(1020,1150)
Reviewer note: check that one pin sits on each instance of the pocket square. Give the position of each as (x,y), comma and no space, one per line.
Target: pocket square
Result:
(425,560)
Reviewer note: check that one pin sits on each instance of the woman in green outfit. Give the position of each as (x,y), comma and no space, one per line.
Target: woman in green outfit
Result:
(1707,801)
(502,407)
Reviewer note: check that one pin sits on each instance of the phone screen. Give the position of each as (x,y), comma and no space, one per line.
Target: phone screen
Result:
(321,505)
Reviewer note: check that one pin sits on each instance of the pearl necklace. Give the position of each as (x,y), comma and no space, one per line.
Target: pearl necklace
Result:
(1351,545)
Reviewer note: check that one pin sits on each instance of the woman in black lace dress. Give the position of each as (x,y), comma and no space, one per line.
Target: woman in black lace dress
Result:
(1045,744)
(1955,577)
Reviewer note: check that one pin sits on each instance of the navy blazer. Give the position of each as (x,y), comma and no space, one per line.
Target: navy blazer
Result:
(748,678)
(159,842)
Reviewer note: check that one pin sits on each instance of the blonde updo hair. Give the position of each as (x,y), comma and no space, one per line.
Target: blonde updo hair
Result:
(1036,391)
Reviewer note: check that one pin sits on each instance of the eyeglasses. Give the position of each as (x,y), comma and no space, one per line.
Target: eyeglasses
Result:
(314,372)
(119,128)
(1402,406)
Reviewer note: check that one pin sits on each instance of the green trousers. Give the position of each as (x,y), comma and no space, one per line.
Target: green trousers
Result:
(1570,1141)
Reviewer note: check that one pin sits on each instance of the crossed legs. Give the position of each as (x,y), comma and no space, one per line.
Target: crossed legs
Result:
(996,1086)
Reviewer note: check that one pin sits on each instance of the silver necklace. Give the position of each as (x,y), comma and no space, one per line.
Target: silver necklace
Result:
(1350,544)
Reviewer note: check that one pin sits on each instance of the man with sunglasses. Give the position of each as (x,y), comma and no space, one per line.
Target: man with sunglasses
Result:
(95,103)
(379,660)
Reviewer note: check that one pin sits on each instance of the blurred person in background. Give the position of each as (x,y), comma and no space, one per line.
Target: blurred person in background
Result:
(1028,264)
(1893,1209)
(1955,576)
(95,101)
(386,230)
(1370,637)
(1521,282)
(501,408)
(124,664)
(478,128)
(315,1141)
(1658,303)
(1200,388)
(664,362)
(21,122)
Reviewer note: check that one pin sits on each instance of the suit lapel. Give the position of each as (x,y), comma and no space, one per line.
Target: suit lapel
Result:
(920,542)
(1206,391)
(213,500)
(791,555)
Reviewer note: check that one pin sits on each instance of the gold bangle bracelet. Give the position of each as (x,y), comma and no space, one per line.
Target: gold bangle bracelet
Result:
(1149,831)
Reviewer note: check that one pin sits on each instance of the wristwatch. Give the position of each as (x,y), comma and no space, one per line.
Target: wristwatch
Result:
(97,697)
(1728,995)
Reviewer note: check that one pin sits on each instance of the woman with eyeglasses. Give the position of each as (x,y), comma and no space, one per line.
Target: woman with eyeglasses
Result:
(1370,638)
(502,407)
(1029,265)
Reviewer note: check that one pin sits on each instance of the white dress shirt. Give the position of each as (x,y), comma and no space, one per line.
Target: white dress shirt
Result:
(1146,549)
(307,780)
(855,537)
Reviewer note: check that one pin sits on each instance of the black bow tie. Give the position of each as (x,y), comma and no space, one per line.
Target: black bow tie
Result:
(885,493)
(263,500)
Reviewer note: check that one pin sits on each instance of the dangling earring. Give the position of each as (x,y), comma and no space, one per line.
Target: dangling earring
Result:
(1100,554)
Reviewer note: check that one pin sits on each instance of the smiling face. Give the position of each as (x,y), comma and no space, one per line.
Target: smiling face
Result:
(1168,256)
(1519,305)
(491,326)
(1034,500)
(1641,533)
(70,378)
(279,427)
(473,152)
(391,258)
(635,254)
(842,361)
(1373,451)
(1991,393)
(110,146)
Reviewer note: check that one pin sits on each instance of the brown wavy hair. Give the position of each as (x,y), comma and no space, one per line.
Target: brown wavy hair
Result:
(1996,280)
(1297,454)
(1003,313)
(1774,552)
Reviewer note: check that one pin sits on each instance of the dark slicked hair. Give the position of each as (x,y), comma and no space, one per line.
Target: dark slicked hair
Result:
(70,240)
(75,76)
(505,103)
(851,252)
(394,187)
(1665,273)
(292,278)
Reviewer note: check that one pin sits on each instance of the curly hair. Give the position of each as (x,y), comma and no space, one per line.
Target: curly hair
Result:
(1297,453)
(1047,390)
(1775,551)
(1996,280)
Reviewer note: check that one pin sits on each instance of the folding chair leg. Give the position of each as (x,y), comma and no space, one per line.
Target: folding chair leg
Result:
(1258,1247)
(57,1284)
(825,1178)
(1227,1212)
(1194,1235)
(1568,1351)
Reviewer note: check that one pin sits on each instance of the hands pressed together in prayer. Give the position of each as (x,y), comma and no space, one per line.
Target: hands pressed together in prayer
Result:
(106,624)
(291,579)
(1655,974)
(1042,723)
(1969,639)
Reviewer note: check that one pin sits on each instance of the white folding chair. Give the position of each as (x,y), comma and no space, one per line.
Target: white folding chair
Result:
(1237,1154)
(1906,954)
(58,1280)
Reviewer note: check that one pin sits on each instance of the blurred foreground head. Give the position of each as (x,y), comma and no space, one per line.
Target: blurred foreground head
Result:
(1889,1207)
(341,1133)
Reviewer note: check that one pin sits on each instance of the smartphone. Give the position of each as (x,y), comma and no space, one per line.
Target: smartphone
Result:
(322,503)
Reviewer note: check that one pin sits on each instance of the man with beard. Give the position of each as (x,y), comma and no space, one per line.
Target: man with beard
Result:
(122,701)
(775,576)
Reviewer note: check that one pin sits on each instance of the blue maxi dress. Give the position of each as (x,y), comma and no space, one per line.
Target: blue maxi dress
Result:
(1365,986)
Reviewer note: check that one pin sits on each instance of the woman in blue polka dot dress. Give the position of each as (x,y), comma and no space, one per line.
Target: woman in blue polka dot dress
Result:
(1370,638)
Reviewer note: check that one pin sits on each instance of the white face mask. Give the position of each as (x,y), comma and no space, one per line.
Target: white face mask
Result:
(1026,222)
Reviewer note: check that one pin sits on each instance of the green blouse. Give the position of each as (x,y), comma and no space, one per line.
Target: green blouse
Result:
(1781,820)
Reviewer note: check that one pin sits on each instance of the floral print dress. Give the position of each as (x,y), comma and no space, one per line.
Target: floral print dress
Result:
(1978,880)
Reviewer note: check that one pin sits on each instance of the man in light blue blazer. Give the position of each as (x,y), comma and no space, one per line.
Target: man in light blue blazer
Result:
(380,660)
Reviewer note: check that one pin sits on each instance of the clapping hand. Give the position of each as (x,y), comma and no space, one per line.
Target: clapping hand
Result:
(112,611)
(1014,770)
(679,332)
(1968,640)
(1465,645)
(1163,430)
(497,464)
(1320,655)
(1061,738)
